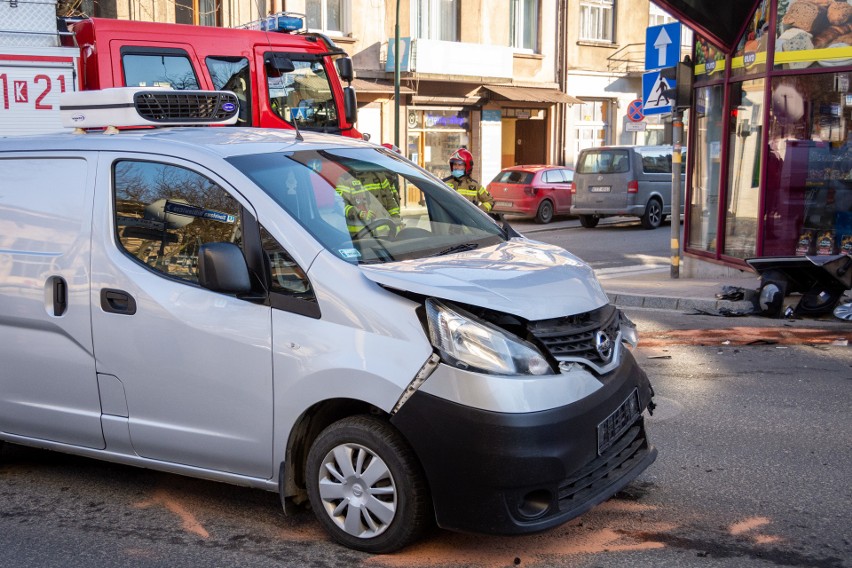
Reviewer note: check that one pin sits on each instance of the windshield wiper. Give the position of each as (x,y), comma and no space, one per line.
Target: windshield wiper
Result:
(458,248)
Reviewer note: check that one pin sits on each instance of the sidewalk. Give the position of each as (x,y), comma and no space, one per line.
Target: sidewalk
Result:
(655,288)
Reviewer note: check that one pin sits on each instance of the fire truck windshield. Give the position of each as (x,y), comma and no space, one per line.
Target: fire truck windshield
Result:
(302,95)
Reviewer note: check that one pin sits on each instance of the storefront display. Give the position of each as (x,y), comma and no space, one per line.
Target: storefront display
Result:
(771,169)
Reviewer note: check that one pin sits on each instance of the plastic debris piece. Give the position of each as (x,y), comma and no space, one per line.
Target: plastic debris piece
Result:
(726,342)
(731,293)
(842,341)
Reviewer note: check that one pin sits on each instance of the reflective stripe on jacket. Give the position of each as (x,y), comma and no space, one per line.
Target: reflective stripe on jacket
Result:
(472,191)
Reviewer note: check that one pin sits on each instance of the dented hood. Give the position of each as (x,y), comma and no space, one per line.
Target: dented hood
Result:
(526,278)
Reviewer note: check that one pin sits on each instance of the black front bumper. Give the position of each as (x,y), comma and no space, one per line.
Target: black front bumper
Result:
(519,473)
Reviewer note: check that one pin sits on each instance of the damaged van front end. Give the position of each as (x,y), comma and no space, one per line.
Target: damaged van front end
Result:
(530,412)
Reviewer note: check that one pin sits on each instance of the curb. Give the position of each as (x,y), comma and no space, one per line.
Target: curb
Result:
(623,300)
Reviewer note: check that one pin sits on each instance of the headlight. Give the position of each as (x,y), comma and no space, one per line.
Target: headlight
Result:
(629,334)
(468,342)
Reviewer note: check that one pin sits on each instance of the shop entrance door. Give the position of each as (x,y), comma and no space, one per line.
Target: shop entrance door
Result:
(530,142)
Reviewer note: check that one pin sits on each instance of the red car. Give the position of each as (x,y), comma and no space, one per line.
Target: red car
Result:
(533,191)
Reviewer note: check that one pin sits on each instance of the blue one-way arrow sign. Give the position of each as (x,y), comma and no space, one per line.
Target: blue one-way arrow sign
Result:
(662,46)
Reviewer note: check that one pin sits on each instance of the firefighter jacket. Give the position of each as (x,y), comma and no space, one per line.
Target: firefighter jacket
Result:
(471,189)
(363,202)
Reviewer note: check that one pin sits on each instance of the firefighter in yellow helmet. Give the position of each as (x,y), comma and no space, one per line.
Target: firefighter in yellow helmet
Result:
(461,166)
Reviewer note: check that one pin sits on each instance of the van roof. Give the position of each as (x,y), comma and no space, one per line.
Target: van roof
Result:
(182,141)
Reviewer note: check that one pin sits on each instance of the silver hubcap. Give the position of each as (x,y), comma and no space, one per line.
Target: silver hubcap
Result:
(357,490)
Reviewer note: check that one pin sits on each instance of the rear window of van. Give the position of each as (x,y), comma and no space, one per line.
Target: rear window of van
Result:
(604,162)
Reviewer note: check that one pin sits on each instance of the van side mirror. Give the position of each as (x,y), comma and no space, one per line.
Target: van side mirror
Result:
(344,69)
(222,268)
(350,105)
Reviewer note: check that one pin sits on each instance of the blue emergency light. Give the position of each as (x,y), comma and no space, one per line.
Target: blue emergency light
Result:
(282,22)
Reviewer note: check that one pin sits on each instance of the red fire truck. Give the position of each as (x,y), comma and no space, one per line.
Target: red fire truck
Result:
(282,77)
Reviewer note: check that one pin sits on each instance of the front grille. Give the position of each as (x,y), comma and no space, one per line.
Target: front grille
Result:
(185,106)
(606,470)
(573,338)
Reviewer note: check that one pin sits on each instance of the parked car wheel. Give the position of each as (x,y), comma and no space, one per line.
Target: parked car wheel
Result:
(366,486)
(653,215)
(545,212)
(589,221)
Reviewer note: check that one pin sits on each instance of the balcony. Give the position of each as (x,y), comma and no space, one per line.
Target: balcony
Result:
(434,57)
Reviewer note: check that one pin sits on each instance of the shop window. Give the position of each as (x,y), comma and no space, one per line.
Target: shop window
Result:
(809,175)
(812,34)
(436,19)
(164,213)
(328,16)
(198,12)
(709,61)
(744,147)
(706,169)
(523,22)
(750,55)
(232,74)
(597,20)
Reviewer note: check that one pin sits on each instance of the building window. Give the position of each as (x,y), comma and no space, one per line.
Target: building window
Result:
(658,17)
(597,20)
(96,9)
(327,16)
(523,20)
(198,12)
(436,19)
(591,125)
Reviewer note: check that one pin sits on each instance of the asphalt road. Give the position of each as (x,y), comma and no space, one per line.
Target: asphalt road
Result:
(754,469)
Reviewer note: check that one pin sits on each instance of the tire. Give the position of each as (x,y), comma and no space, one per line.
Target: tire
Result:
(589,221)
(378,513)
(653,215)
(545,212)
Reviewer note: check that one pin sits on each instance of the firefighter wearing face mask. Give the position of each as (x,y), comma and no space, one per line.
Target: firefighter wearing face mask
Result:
(461,166)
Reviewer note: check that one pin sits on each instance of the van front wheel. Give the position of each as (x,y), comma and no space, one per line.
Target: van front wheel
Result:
(653,215)
(589,221)
(366,486)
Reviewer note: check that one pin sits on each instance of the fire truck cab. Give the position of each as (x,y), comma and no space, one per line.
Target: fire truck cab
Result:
(280,77)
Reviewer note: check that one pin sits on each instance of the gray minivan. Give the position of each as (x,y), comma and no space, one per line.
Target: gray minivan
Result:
(624,180)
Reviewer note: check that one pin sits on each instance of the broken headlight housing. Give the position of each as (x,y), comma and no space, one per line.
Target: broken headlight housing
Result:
(468,342)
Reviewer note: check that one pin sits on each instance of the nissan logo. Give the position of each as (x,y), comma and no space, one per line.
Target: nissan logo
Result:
(604,346)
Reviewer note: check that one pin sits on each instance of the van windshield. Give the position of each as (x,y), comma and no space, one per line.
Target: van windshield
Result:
(349,200)
(604,162)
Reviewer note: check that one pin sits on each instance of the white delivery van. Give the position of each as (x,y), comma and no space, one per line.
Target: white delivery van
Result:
(196,300)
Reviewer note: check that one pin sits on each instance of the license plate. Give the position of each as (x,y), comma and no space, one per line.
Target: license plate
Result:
(503,203)
(599,189)
(618,422)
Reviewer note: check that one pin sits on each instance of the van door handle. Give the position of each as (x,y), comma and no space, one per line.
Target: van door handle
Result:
(117,302)
(60,296)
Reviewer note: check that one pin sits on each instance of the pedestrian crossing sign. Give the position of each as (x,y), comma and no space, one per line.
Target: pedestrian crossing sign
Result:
(655,89)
